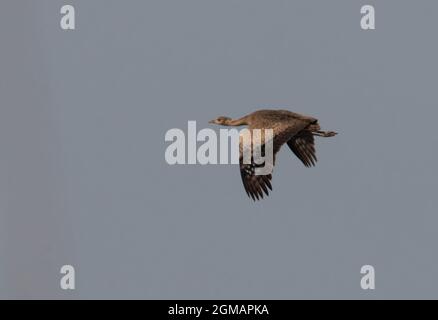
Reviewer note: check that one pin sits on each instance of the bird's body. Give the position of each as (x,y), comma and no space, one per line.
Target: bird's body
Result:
(294,129)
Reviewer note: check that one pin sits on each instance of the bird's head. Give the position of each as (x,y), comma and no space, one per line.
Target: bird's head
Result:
(220,120)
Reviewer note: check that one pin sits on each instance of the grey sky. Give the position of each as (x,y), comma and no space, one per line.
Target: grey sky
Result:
(84,181)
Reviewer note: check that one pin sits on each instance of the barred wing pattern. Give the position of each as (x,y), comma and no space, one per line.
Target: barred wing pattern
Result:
(255,185)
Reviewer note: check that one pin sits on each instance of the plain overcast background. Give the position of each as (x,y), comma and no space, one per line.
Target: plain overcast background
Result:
(83,179)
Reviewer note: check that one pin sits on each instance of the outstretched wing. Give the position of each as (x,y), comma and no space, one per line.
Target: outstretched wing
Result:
(255,185)
(303,146)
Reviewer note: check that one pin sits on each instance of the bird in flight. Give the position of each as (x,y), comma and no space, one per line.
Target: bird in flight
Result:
(294,129)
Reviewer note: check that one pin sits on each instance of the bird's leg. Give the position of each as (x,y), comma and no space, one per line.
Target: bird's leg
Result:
(325,134)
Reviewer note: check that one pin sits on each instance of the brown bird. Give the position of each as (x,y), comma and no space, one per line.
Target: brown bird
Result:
(296,130)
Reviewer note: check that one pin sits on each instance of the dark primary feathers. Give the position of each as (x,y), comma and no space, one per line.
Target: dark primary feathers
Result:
(296,130)
(303,146)
(255,185)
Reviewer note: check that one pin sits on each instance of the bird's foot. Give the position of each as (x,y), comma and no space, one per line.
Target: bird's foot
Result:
(330,134)
(325,134)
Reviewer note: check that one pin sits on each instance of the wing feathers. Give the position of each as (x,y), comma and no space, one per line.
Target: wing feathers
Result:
(303,146)
(256,186)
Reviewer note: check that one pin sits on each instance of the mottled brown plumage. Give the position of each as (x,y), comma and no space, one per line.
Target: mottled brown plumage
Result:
(296,130)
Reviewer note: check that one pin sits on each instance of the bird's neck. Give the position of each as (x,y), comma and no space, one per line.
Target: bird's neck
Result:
(237,122)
